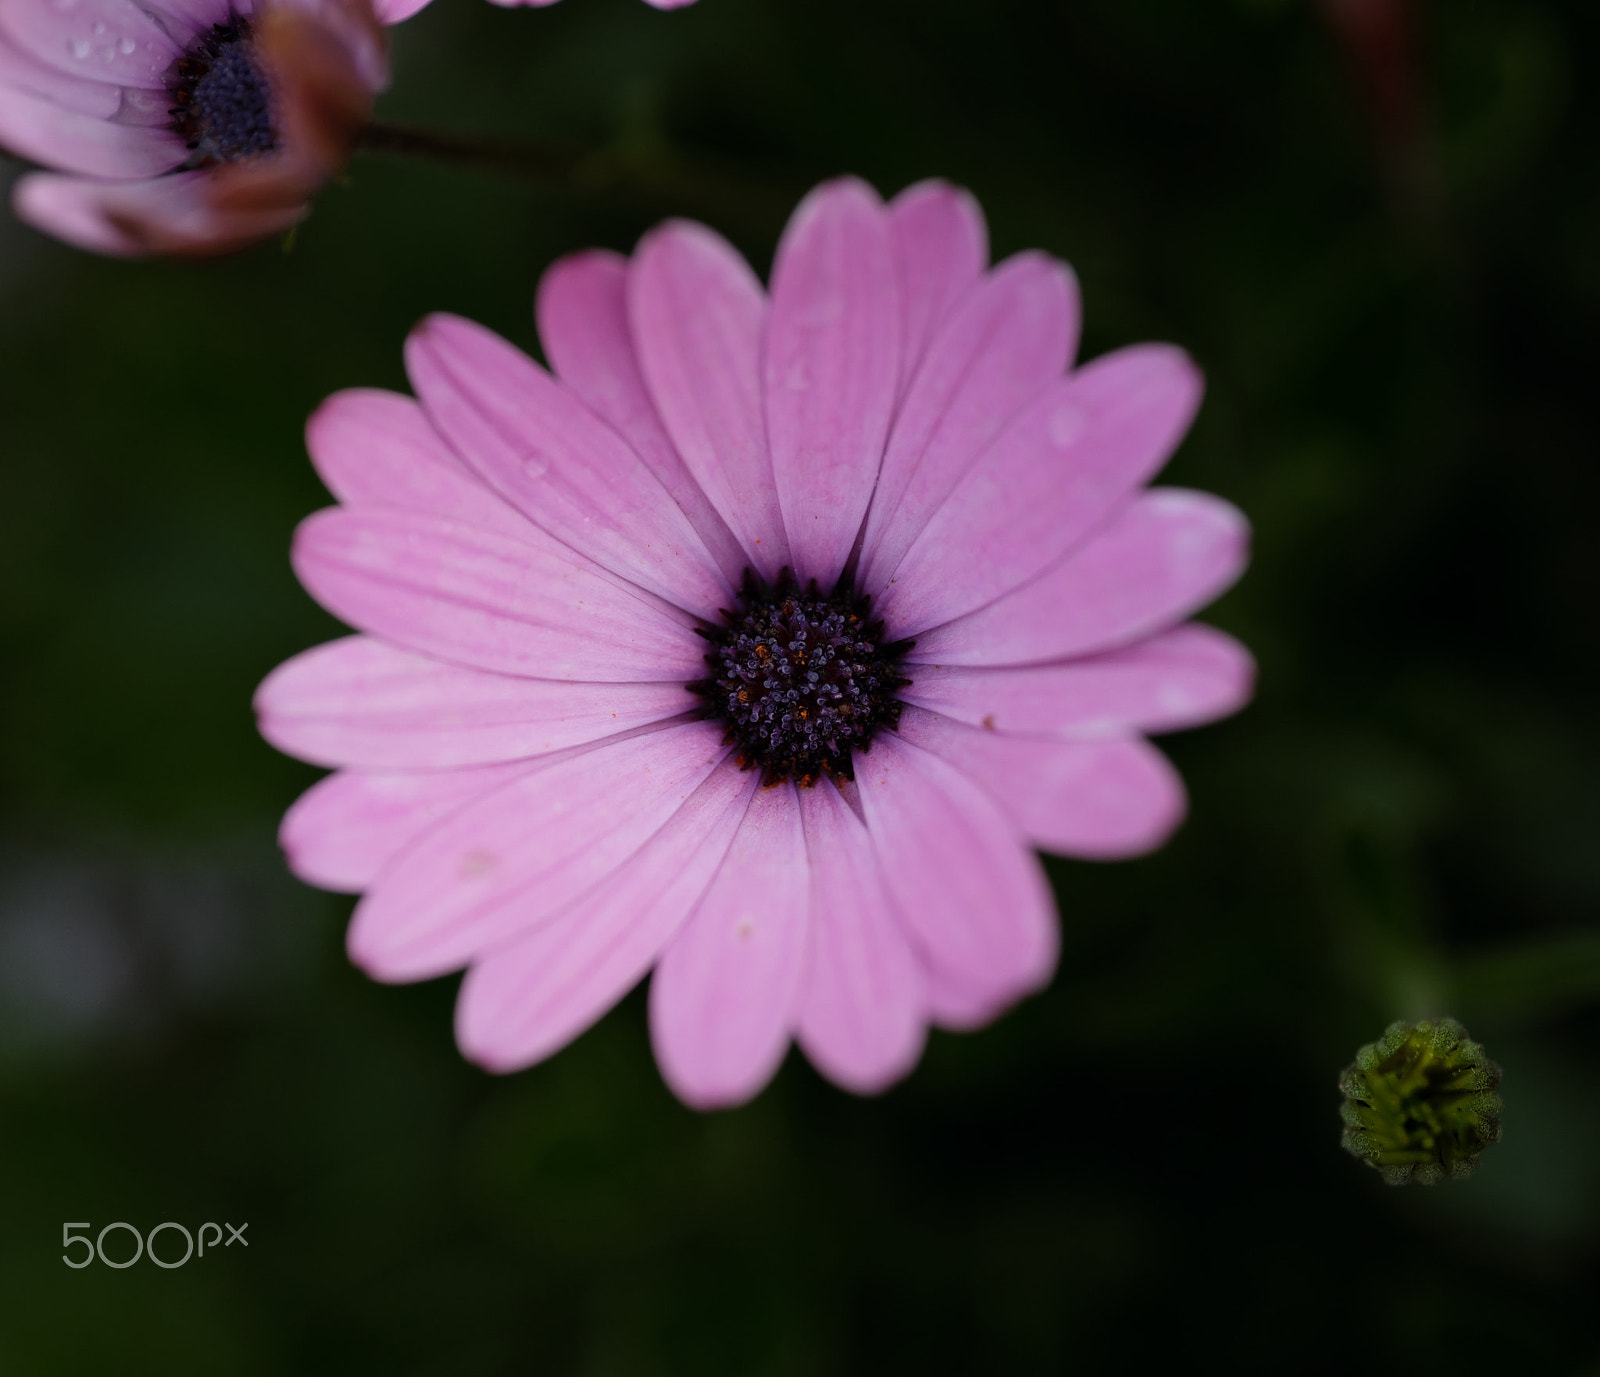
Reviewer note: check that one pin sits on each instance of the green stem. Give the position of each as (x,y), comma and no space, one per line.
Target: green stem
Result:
(537,162)
(655,180)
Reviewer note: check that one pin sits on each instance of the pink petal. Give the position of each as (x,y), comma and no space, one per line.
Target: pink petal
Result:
(527,1000)
(38,128)
(101,40)
(722,1002)
(955,1005)
(172,213)
(566,470)
(1100,799)
(21,72)
(698,316)
(1059,470)
(395,11)
(377,449)
(344,829)
(862,1004)
(1008,340)
(187,18)
(830,371)
(943,247)
(67,208)
(485,601)
(1169,553)
(972,898)
(515,858)
(583,324)
(363,703)
(139,106)
(1178,679)
(113,41)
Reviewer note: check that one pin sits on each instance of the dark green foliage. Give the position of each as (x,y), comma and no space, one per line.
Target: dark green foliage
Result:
(1133,1172)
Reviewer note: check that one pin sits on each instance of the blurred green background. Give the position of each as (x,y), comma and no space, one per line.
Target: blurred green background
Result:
(1385,259)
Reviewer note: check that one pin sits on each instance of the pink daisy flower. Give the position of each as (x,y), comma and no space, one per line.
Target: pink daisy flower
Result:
(758,645)
(182,126)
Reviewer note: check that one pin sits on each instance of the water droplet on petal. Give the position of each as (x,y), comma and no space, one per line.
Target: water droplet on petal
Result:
(127,45)
(79,48)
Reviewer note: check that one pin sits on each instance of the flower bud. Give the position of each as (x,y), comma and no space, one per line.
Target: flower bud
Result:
(1420,1103)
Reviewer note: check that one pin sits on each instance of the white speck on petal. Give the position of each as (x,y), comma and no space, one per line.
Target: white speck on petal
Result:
(1066,425)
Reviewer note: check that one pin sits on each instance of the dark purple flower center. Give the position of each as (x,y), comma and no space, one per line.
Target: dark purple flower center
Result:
(222,100)
(802,680)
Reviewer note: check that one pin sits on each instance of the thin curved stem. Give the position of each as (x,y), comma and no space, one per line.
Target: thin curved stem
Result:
(539,162)
(654,180)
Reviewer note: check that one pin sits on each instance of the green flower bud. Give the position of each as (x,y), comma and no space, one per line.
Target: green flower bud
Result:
(1420,1104)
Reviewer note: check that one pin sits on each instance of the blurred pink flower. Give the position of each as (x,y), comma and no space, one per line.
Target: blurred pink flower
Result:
(186,126)
(561,765)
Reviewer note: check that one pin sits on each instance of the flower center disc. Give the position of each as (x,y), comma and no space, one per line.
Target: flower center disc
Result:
(801,680)
(222,100)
